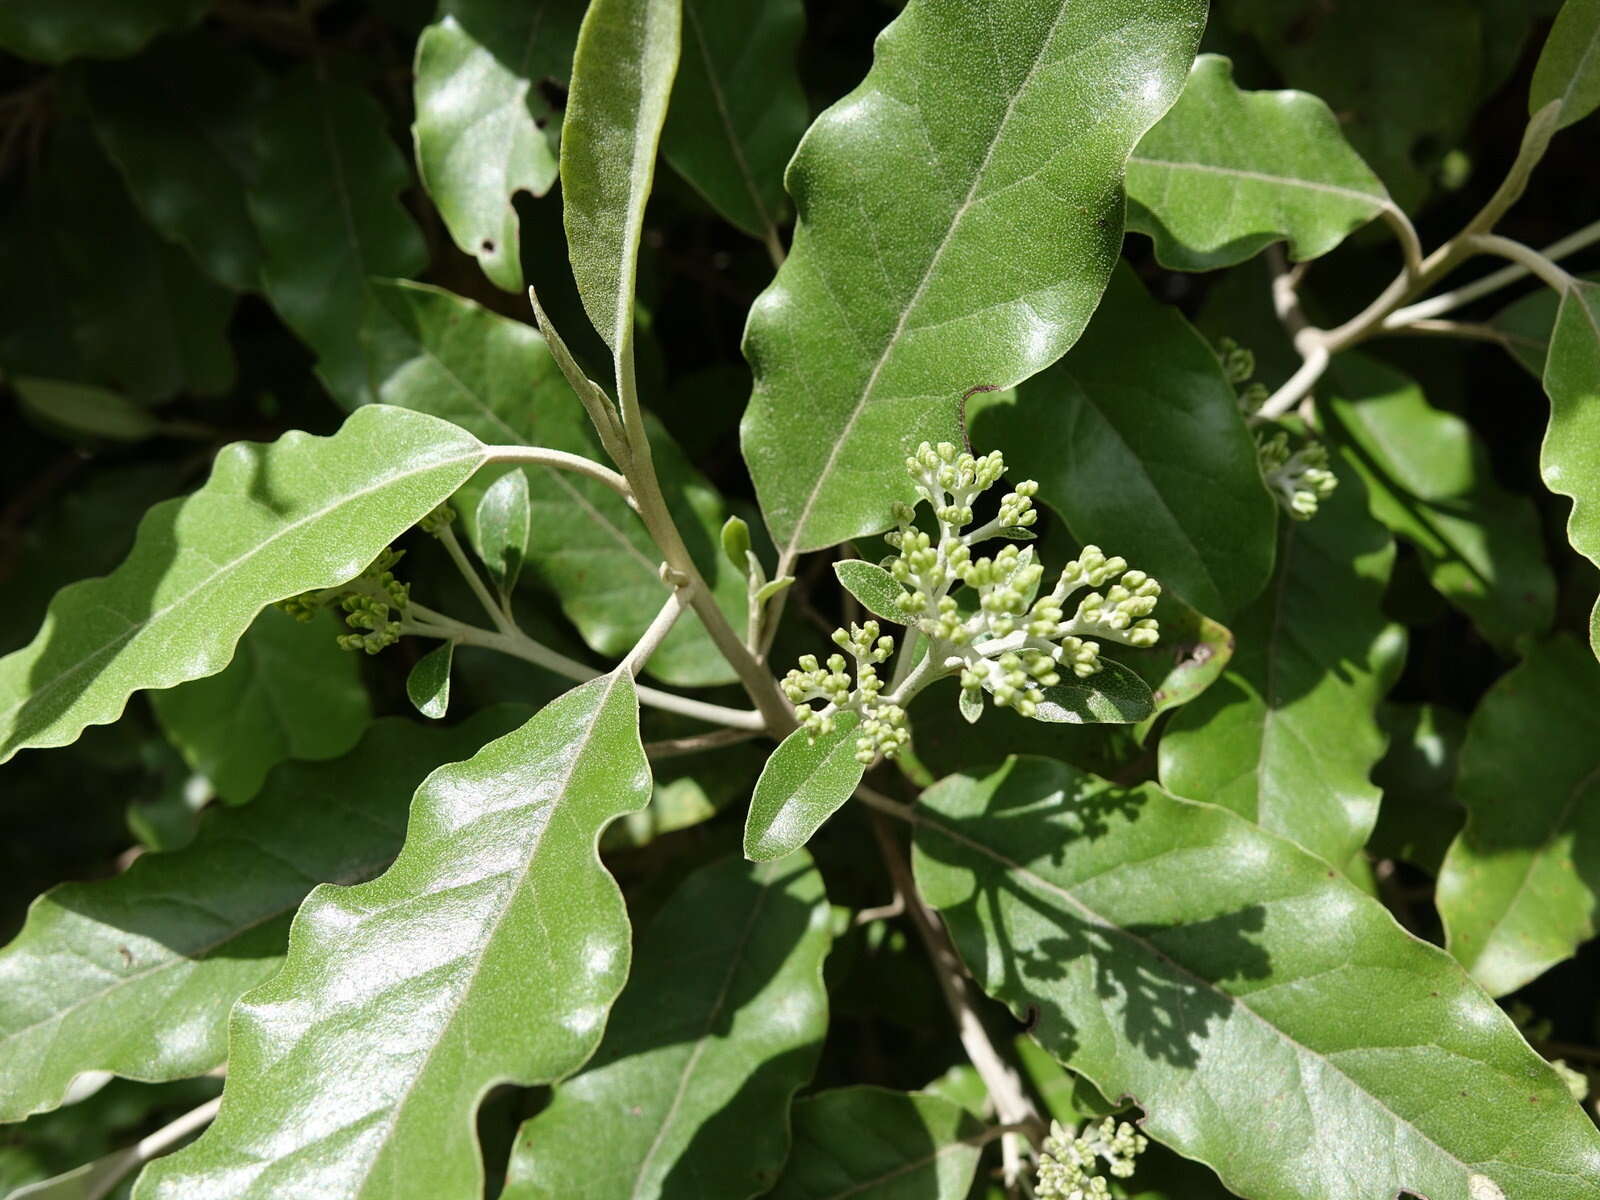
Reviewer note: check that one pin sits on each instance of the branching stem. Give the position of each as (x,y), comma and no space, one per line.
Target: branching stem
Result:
(497,614)
(543,456)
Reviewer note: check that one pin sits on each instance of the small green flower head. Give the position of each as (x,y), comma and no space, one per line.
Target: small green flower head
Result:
(1299,481)
(1238,363)
(883,728)
(438,520)
(1069,1167)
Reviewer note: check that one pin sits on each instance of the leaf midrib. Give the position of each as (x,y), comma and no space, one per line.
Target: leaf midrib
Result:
(1376,203)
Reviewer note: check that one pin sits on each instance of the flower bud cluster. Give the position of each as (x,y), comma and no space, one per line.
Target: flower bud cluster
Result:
(1069,1167)
(1299,481)
(883,727)
(371,604)
(1239,365)
(436,521)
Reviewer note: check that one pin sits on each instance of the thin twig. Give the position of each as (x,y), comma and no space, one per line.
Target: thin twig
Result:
(655,634)
(1524,256)
(497,614)
(1299,384)
(697,743)
(545,457)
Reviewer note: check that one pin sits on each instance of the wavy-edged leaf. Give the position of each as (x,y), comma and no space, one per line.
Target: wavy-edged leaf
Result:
(180,124)
(722,1020)
(491,951)
(621,79)
(1569,460)
(272,521)
(497,378)
(1520,886)
(1144,451)
(290,692)
(326,208)
(135,974)
(1569,65)
(737,109)
(484,129)
(959,214)
(1228,172)
(873,587)
(871,1143)
(54,31)
(1289,735)
(1428,479)
(1175,953)
(805,782)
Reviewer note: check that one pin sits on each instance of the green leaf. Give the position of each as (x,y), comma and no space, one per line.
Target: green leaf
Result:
(722,1020)
(1569,66)
(1569,461)
(271,522)
(1144,452)
(327,212)
(1227,172)
(1520,886)
(804,783)
(870,1143)
(737,108)
(83,410)
(290,692)
(1193,652)
(490,952)
(621,79)
(135,974)
(180,124)
(1420,814)
(1177,954)
(428,684)
(1289,735)
(873,587)
(983,135)
(496,378)
(1429,480)
(1113,695)
(484,130)
(501,524)
(54,31)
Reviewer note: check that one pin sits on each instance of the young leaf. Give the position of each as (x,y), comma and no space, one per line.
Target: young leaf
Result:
(1177,954)
(1144,453)
(501,524)
(870,1143)
(490,952)
(1113,695)
(135,974)
(1428,479)
(54,31)
(83,410)
(722,1020)
(1289,735)
(803,784)
(484,129)
(1227,172)
(271,522)
(737,108)
(326,210)
(290,692)
(621,77)
(984,134)
(1521,884)
(180,124)
(1569,66)
(497,378)
(1570,458)
(428,684)
(873,587)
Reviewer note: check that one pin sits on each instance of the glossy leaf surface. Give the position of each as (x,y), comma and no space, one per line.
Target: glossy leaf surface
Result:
(1178,954)
(722,1020)
(870,1143)
(1569,67)
(428,683)
(1429,480)
(327,211)
(1569,461)
(1289,735)
(490,952)
(910,191)
(804,783)
(290,692)
(1227,172)
(621,80)
(271,522)
(1144,454)
(1520,886)
(737,109)
(135,974)
(484,129)
(497,378)
(501,527)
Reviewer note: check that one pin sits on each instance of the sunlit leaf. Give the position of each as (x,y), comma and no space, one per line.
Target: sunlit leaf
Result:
(428,684)
(1570,458)
(805,782)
